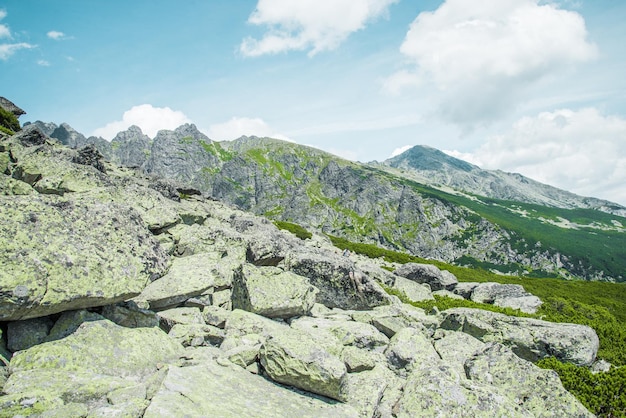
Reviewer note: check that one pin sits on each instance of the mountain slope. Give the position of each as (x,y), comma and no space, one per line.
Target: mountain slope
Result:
(378,205)
(430,166)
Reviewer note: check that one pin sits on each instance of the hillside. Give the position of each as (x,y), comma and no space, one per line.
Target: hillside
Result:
(371,204)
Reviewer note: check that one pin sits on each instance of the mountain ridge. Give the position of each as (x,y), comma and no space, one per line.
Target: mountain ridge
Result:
(377,204)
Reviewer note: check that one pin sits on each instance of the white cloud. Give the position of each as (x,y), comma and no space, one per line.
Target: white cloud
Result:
(6,50)
(581,151)
(400,150)
(150,119)
(56,35)
(482,56)
(4,29)
(317,25)
(43,63)
(237,127)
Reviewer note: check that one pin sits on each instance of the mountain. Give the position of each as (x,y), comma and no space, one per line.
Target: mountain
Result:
(381,205)
(430,166)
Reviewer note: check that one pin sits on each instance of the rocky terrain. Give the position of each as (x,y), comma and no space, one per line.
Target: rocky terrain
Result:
(128,295)
(386,206)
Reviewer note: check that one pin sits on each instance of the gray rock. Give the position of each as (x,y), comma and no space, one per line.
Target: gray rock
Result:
(506,296)
(536,390)
(272,292)
(129,315)
(196,334)
(209,389)
(366,389)
(295,359)
(410,348)
(455,348)
(416,292)
(96,253)
(465,289)
(216,316)
(171,317)
(358,334)
(428,274)
(69,322)
(27,333)
(339,284)
(531,339)
(447,294)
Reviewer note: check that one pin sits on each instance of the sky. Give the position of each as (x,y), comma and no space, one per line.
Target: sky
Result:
(527,86)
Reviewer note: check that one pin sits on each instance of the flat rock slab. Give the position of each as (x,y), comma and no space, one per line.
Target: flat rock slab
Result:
(211,390)
(59,254)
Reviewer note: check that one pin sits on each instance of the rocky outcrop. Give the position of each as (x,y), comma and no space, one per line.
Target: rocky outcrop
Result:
(428,274)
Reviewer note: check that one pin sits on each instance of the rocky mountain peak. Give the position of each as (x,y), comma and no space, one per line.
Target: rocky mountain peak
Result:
(423,157)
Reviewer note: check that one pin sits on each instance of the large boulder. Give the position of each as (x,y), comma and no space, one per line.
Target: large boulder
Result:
(536,390)
(272,292)
(295,359)
(531,339)
(60,254)
(416,292)
(339,283)
(506,296)
(428,274)
(211,390)
(89,367)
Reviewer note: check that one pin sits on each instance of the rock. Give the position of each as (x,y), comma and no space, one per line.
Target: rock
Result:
(241,323)
(129,315)
(536,390)
(187,277)
(272,292)
(339,284)
(174,316)
(410,348)
(62,254)
(293,358)
(447,294)
(455,348)
(216,316)
(30,137)
(211,390)
(89,155)
(28,333)
(69,322)
(196,334)
(506,296)
(97,359)
(465,289)
(428,274)
(243,355)
(416,292)
(365,390)
(531,339)
(358,334)
(359,360)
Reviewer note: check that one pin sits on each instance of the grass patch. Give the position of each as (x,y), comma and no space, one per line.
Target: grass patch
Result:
(295,229)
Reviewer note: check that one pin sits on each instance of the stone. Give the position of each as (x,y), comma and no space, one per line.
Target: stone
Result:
(211,390)
(465,289)
(447,294)
(272,292)
(174,316)
(410,348)
(196,334)
(358,360)
(27,333)
(416,292)
(365,390)
(536,390)
(187,277)
(339,284)
(506,296)
(293,358)
(62,254)
(241,323)
(352,333)
(216,316)
(455,348)
(531,339)
(128,314)
(89,155)
(428,274)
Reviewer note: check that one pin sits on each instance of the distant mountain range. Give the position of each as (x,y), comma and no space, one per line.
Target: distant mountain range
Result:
(422,201)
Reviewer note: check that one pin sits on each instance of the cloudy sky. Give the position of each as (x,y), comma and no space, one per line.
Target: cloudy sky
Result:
(528,86)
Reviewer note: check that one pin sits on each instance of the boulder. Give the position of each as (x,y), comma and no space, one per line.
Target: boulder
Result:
(211,390)
(340,285)
(416,292)
(465,289)
(196,334)
(506,296)
(61,254)
(27,333)
(272,292)
(171,317)
(428,274)
(353,333)
(536,390)
(410,348)
(98,359)
(187,277)
(366,389)
(128,314)
(455,348)
(531,339)
(293,358)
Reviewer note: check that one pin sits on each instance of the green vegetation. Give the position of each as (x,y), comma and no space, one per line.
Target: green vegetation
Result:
(602,393)
(217,150)
(8,122)
(600,305)
(295,229)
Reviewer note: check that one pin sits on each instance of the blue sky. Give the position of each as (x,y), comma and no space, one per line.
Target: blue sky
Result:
(528,86)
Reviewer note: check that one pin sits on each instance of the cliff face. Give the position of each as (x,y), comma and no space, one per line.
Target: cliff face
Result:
(128,295)
(530,229)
